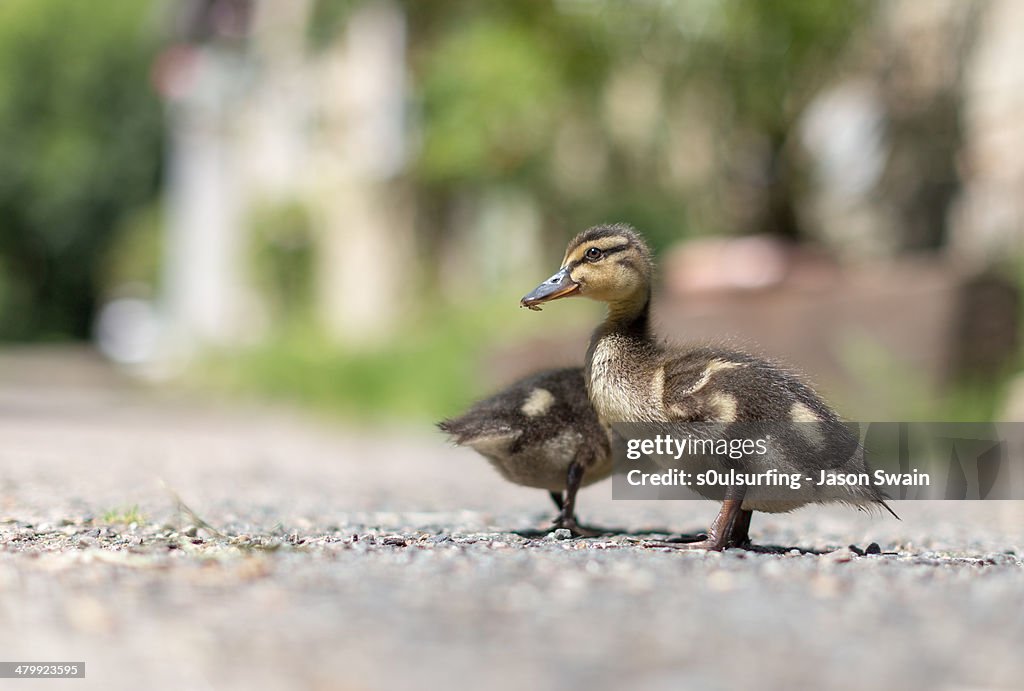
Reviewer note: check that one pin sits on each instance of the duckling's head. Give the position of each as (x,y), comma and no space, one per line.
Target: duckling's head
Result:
(608,263)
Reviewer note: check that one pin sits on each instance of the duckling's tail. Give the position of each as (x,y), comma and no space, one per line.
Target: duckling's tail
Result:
(452,428)
(889,509)
(467,429)
(873,505)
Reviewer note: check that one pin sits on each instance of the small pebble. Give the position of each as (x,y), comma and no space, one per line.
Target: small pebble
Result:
(560,534)
(840,556)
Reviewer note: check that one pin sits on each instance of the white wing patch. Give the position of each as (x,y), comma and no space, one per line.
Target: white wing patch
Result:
(658,385)
(705,376)
(538,402)
(725,405)
(801,413)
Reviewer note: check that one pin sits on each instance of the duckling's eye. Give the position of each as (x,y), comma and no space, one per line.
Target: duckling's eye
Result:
(593,254)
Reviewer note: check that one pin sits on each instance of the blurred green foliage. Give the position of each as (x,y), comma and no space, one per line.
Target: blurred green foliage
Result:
(501,85)
(283,253)
(81,136)
(499,89)
(407,381)
(433,372)
(326,21)
(490,93)
(135,250)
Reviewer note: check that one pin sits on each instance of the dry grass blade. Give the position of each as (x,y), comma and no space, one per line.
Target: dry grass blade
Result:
(185,509)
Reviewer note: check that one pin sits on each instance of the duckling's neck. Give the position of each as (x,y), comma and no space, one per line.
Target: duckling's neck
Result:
(619,352)
(629,317)
(628,323)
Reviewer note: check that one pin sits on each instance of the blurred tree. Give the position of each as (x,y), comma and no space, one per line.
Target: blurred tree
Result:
(771,59)
(491,91)
(80,131)
(600,109)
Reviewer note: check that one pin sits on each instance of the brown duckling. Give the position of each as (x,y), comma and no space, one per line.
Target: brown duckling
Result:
(632,378)
(541,432)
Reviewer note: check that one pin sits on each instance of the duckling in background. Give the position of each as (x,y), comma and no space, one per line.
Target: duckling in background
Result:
(632,378)
(541,432)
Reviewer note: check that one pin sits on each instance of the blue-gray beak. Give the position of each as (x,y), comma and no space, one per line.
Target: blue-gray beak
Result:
(558,286)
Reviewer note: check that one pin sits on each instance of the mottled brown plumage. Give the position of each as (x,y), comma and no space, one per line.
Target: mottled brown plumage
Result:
(540,432)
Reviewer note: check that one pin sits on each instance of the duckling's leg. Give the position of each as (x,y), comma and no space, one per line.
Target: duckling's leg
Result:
(731,523)
(567,517)
(557,498)
(722,530)
(741,529)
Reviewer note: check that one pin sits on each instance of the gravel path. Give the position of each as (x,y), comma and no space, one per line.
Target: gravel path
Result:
(176,547)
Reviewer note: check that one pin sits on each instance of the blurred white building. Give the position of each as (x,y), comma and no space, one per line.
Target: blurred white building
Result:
(257,117)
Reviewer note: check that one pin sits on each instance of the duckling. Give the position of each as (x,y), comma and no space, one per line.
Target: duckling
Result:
(633,378)
(541,432)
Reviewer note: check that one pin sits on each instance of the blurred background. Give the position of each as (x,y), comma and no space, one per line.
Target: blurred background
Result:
(339,203)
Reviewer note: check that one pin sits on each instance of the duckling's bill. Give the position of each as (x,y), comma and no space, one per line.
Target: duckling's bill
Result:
(558,286)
